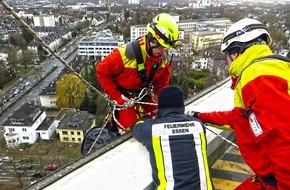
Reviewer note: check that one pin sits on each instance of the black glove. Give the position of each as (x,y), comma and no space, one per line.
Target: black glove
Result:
(192,114)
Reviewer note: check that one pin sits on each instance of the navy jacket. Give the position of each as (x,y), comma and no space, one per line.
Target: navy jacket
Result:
(177,148)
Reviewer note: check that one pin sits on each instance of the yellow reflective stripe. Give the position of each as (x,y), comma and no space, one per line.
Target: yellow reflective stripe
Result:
(289,87)
(141,66)
(274,67)
(159,161)
(204,157)
(222,127)
(140,121)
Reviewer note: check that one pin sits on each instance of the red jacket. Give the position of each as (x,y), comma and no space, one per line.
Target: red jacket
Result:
(119,70)
(261,97)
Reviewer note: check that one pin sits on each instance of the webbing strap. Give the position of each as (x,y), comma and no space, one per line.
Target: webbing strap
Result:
(276,56)
(140,63)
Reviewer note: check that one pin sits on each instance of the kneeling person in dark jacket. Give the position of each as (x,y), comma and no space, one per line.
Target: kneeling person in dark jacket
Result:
(176,144)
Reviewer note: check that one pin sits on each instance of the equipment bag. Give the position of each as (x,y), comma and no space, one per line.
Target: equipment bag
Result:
(90,137)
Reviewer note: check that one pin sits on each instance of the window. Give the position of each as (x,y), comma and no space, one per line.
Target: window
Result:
(11,130)
(64,132)
(72,133)
(24,129)
(25,138)
(79,139)
(73,139)
(79,133)
(65,139)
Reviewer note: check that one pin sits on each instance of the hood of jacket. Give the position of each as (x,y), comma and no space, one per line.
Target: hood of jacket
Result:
(245,59)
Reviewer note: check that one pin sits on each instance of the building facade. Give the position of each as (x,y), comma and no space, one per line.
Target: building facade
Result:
(205,39)
(99,46)
(44,20)
(21,126)
(74,125)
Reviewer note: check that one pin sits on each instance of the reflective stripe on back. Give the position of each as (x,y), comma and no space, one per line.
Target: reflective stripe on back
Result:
(176,167)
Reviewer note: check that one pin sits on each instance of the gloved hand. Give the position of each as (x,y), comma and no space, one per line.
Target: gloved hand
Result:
(192,114)
(125,102)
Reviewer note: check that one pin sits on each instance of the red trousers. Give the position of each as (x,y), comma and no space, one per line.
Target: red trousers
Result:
(254,183)
(129,116)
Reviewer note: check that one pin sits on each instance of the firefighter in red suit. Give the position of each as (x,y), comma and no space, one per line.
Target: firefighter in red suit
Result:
(118,73)
(260,117)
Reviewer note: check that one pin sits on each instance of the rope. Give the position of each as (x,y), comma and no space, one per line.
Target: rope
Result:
(106,120)
(35,36)
(225,139)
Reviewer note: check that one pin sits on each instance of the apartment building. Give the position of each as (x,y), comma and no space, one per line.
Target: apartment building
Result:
(47,97)
(44,20)
(137,2)
(74,125)
(205,39)
(99,46)
(21,126)
(137,31)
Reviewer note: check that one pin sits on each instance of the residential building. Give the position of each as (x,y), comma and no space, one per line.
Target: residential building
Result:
(47,128)
(60,116)
(197,4)
(137,31)
(212,24)
(52,36)
(99,46)
(205,39)
(74,125)
(201,63)
(186,27)
(44,20)
(134,2)
(47,97)
(21,125)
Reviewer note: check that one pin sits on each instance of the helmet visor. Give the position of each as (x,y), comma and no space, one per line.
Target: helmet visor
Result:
(168,41)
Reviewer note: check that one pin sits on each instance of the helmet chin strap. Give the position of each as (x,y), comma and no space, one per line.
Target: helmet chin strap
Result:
(149,48)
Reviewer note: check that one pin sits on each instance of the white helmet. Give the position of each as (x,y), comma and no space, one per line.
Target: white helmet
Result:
(243,31)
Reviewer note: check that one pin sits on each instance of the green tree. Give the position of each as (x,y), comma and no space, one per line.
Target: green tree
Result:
(17,40)
(86,70)
(126,14)
(12,62)
(89,104)
(26,58)
(28,37)
(4,75)
(70,91)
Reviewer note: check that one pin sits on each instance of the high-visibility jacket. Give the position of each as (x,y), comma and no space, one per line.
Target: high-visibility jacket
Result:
(177,150)
(119,70)
(118,73)
(260,116)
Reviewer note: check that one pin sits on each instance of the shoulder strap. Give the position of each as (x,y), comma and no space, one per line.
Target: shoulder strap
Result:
(140,63)
(276,56)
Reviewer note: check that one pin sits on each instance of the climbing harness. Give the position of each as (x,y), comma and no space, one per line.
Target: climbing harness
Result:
(97,137)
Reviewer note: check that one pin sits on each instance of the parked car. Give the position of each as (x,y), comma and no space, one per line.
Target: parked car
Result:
(4,159)
(36,174)
(27,83)
(50,167)
(24,166)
